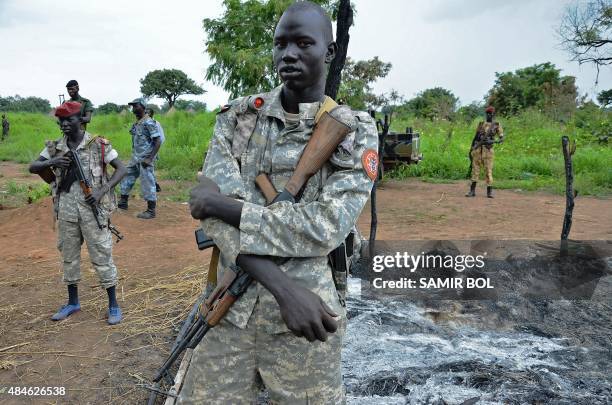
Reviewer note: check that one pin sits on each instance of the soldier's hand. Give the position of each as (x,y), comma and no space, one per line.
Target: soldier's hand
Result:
(95,197)
(305,314)
(62,162)
(201,197)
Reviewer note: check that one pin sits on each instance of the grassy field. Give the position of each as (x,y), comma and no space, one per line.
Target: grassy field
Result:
(530,158)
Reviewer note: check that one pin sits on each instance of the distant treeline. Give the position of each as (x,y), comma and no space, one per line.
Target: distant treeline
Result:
(41,105)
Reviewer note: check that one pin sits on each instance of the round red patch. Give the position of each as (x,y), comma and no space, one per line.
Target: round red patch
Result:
(369,161)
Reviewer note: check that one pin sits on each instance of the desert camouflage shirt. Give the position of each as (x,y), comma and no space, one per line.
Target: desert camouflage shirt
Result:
(143,133)
(90,153)
(488,130)
(304,232)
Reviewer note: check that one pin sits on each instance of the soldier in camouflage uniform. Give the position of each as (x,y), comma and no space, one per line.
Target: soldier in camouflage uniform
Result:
(146,141)
(72,87)
(481,152)
(5,127)
(77,222)
(284,246)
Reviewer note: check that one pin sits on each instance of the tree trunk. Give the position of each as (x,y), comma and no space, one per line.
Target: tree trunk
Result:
(343,23)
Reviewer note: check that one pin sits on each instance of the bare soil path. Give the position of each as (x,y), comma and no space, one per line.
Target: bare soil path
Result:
(162,271)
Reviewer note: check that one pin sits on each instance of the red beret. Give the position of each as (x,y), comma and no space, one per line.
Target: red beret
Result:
(490,109)
(68,109)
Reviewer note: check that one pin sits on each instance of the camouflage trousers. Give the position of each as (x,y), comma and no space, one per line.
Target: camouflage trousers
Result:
(99,244)
(483,157)
(147,180)
(231,365)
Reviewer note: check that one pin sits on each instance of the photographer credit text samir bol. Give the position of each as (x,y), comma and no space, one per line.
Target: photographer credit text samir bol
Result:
(403,261)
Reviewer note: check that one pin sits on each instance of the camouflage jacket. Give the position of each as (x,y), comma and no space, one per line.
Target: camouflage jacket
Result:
(68,204)
(143,131)
(488,130)
(245,144)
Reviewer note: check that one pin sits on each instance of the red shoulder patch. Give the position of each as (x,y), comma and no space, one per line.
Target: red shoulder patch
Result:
(369,161)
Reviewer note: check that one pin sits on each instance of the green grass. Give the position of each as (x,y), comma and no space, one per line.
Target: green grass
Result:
(181,156)
(529,159)
(16,194)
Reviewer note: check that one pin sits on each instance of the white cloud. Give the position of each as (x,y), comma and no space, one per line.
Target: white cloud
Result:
(109,45)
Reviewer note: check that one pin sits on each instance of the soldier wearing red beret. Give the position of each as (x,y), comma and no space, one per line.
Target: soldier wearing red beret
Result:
(73,209)
(481,152)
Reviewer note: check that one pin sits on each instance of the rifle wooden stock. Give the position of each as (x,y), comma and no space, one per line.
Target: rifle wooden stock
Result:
(325,138)
(266,187)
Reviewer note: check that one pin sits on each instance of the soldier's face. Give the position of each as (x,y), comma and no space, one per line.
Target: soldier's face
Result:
(489,117)
(70,125)
(72,91)
(301,52)
(138,109)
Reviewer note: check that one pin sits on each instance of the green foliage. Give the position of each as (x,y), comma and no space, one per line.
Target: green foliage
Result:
(357,79)
(186,105)
(24,104)
(168,84)
(468,113)
(605,98)
(108,108)
(594,120)
(530,158)
(539,86)
(433,104)
(240,45)
(181,156)
(17,194)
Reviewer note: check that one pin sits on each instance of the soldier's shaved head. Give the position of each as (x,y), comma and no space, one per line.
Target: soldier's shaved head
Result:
(308,6)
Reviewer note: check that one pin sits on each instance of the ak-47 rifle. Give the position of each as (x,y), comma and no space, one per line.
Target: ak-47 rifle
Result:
(326,137)
(87,191)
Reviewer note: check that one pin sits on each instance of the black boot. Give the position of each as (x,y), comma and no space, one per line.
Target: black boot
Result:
(123,202)
(472,192)
(150,212)
(490,191)
(157,188)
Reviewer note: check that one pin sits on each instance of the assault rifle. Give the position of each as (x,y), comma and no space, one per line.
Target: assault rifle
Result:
(327,135)
(87,191)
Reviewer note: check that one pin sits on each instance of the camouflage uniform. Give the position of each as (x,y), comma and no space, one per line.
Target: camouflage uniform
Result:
(86,106)
(253,339)
(483,156)
(75,216)
(143,133)
(5,128)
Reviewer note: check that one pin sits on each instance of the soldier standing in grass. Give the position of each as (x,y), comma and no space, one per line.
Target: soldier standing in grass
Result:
(86,106)
(162,137)
(76,219)
(481,152)
(146,141)
(286,331)
(5,126)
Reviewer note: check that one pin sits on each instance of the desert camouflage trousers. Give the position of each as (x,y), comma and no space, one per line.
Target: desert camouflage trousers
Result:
(483,157)
(231,365)
(99,245)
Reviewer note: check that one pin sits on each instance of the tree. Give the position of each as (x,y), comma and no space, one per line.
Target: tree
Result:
(539,86)
(344,22)
(108,108)
(187,105)
(240,44)
(24,104)
(605,98)
(168,84)
(355,89)
(434,104)
(468,113)
(586,32)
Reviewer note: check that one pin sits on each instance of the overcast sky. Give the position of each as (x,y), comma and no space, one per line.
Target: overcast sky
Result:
(109,45)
